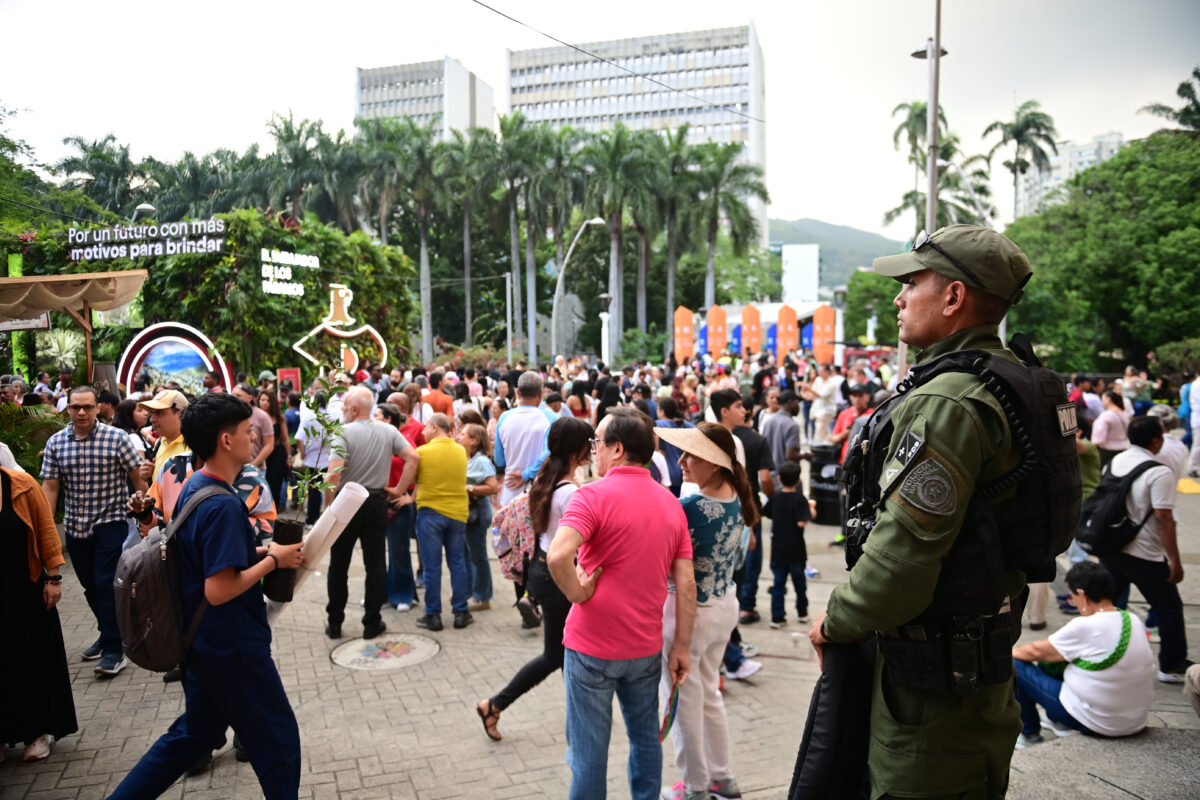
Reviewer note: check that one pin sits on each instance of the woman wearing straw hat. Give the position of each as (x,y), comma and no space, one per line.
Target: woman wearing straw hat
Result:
(716,517)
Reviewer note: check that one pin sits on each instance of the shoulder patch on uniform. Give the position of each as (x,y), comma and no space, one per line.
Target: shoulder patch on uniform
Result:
(930,487)
(911,444)
(1068,419)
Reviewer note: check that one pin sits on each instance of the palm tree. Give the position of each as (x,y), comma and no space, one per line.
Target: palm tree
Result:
(914,128)
(615,162)
(513,169)
(419,198)
(537,149)
(644,209)
(382,141)
(182,189)
(243,181)
(955,203)
(677,194)
(110,175)
(1030,129)
(1188,115)
(726,182)
(295,150)
(341,164)
(466,167)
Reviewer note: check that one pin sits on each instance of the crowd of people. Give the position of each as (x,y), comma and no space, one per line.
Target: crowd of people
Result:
(653,614)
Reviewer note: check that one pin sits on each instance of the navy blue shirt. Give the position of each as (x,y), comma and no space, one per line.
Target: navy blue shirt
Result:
(218,535)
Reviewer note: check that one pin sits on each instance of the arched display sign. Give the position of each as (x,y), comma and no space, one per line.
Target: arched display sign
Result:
(172,351)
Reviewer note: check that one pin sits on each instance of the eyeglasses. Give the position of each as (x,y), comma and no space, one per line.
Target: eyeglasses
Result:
(79,409)
(593,443)
(924,238)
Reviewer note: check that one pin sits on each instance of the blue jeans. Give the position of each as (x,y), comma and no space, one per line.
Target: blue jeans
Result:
(95,561)
(400,586)
(244,691)
(795,570)
(1036,688)
(479,571)
(590,684)
(746,578)
(435,531)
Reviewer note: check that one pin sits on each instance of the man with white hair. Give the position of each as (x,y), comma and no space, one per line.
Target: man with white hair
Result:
(363,454)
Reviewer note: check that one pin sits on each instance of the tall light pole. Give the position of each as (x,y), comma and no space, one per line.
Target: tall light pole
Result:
(558,285)
(932,52)
(143,208)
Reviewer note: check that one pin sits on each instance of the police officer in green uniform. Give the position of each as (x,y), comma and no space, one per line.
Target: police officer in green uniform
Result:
(943,717)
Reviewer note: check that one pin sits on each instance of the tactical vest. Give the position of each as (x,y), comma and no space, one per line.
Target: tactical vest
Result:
(1019,522)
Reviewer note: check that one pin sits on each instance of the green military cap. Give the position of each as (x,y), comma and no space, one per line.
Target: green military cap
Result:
(979,257)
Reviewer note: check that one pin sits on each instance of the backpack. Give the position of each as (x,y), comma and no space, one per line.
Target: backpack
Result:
(513,536)
(149,598)
(1104,524)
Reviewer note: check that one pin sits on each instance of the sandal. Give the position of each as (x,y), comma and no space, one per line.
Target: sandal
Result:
(490,715)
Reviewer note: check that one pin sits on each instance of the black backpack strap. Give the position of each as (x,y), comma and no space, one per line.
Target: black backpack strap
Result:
(169,534)
(1132,476)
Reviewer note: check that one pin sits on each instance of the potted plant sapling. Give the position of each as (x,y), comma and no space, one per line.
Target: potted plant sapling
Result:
(324,436)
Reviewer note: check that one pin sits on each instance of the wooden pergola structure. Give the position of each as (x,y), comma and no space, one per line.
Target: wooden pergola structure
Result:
(77,295)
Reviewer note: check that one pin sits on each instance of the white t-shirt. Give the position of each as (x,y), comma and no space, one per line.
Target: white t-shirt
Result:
(1114,701)
(1154,489)
(558,504)
(826,390)
(1174,454)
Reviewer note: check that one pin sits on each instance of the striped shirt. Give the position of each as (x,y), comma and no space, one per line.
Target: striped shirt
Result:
(93,474)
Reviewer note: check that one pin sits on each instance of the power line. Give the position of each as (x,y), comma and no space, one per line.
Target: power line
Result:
(46,210)
(635,73)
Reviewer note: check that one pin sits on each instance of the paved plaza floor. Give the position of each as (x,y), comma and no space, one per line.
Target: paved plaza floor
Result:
(412,732)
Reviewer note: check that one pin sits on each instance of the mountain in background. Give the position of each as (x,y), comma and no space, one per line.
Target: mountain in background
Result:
(843,249)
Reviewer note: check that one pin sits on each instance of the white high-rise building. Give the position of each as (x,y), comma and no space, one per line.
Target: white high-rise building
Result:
(444,89)
(1071,159)
(719,75)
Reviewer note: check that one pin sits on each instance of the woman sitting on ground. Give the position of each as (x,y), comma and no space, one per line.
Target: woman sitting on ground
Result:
(1108,682)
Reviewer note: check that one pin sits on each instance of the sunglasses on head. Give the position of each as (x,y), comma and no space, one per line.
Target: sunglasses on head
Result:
(924,238)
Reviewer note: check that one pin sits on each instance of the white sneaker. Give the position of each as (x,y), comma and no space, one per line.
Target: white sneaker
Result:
(1057,728)
(38,749)
(749,650)
(403,606)
(747,669)
(1024,741)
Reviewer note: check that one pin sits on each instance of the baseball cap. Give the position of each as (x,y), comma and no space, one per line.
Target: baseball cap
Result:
(979,257)
(341,377)
(266,375)
(858,387)
(167,398)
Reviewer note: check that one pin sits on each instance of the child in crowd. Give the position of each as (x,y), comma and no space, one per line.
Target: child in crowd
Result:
(789,513)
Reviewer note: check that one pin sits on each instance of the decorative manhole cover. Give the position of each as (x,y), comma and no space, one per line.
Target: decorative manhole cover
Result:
(387,652)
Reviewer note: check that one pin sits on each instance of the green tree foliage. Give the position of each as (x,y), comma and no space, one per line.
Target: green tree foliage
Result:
(1186,116)
(869,294)
(1117,263)
(726,184)
(1030,131)
(221,293)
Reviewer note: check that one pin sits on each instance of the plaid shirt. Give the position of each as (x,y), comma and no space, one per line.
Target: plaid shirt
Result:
(93,474)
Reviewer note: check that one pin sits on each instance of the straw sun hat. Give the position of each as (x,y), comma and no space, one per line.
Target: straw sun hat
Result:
(693,440)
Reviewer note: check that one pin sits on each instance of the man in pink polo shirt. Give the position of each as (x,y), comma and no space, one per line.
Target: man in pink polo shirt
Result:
(633,531)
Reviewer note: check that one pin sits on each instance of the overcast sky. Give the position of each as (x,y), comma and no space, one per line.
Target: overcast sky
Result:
(170,77)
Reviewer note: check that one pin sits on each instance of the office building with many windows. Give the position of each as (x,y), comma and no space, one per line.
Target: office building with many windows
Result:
(1071,159)
(443,89)
(713,80)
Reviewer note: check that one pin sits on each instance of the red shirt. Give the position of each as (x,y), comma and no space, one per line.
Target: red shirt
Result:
(440,402)
(845,420)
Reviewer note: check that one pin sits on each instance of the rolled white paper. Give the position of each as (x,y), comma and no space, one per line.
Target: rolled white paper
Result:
(329,527)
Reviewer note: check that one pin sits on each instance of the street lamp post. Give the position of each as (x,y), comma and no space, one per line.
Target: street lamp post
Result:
(932,52)
(144,208)
(605,344)
(508,312)
(558,286)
